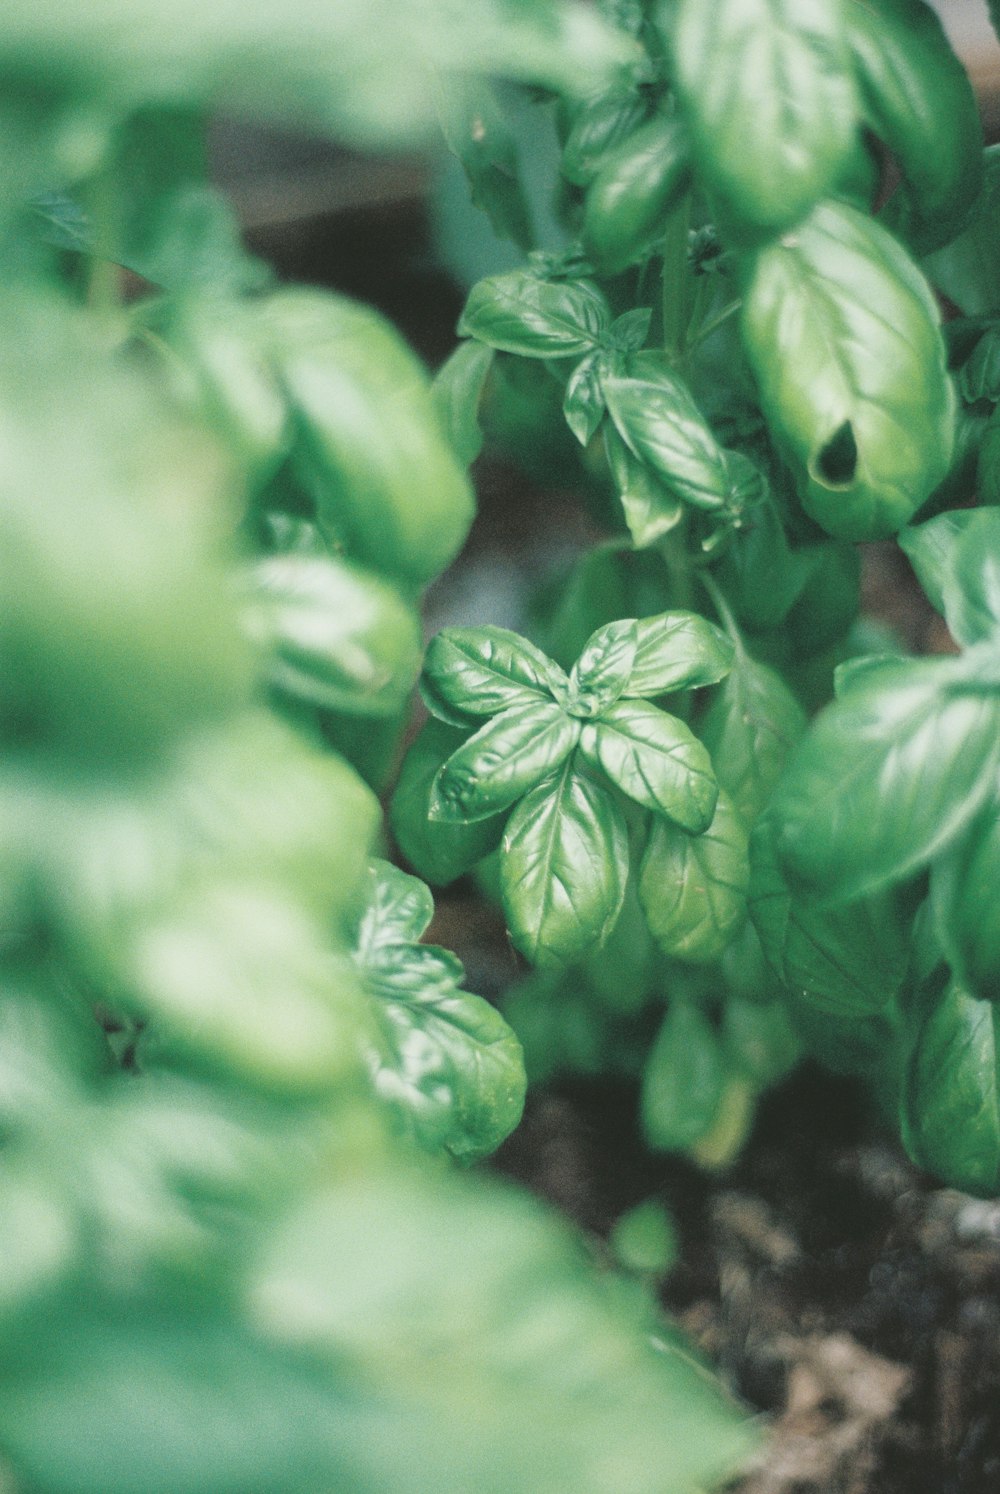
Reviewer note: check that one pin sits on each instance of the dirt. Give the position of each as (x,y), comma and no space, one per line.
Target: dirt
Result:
(834,1287)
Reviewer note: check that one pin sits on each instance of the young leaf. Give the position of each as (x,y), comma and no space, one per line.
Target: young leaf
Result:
(583,405)
(678,651)
(445,1062)
(651,508)
(457,391)
(767,91)
(602,671)
(750,728)
(481,671)
(693,888)
(847,960)
(842,333)
(659,421)
(631,196)
(759,1039)
(601,125)
(966,270)
(520,313)
(438,850)
(950,1107)
(887,776)
(503,760)
(564,867)
(683,1081)
(917,98)
(477,134)
(337,637)
(654,759)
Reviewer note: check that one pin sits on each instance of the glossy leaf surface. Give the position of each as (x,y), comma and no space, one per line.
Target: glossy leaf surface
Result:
(439,851)
(521,313)
(503,760)
(630,197)
(655,759)
(481,671)
(445,1062)
(768,93)
(693,888)
(957,560)
(842,334)
(604,668)
(458,393)
(564,867)
(678,651)
(750,728)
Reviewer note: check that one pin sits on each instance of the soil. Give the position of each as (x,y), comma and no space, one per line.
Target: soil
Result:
(834,1287)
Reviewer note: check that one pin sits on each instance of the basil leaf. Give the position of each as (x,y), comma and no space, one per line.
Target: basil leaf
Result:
(520,313)
(503,760)
(563,868)
(630,198)
(457,391)
(602,671)
(750,729)
(476,132)
(651,508)
(761,575)
(842,333)
(658,420)
(480,671)
(828,605)
(957,560)
(683,1080)
(601,124)
(629,331)
(693,888)
(979,376)
(583,405)
(887,776)
(846,960)
(767,92)
(442,850)
(917,98)
(337,637)
(950,1108)
(967,270)
(678,651)
(654,759)
(388,490)
(964,882)
(446,1063)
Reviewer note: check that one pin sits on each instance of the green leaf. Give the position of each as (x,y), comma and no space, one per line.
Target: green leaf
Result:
(458,391)
(477,133)
(918,99)
(967,270)
(503,760)
(842,333)
(659,421)
(767,91)
(887,776)
(651,508)
(636,186)
(683,1081)
(693,888)
(759,1039)
(520,313)
(847,960)
(654,759)
(435,1296)
(761,575)
(439,851)
(388,489)
(601,125)
(335,636)
(583,405)
(964,880)
(979,376)
(957,560)
(750,728)
(950,1108)
(444,1062)
(563,868)
(602,672)
(678,651)
(473,672)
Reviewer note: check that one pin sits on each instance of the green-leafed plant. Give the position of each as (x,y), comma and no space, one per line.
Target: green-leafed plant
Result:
(765,214)
(237,1254)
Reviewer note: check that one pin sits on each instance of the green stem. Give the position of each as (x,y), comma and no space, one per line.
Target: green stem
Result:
(676,278)
(713,323)
(723,608)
